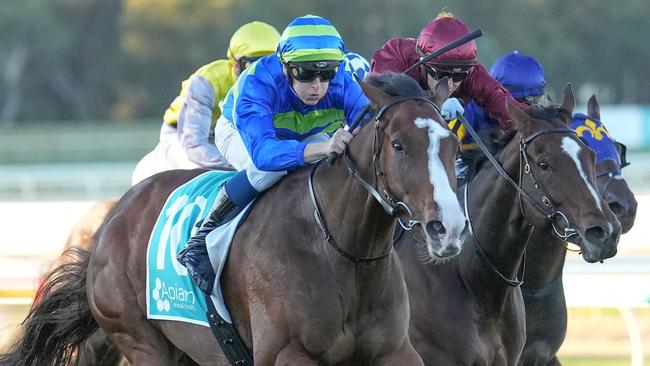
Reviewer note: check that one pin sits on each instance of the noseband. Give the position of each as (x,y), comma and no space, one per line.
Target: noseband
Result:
(386,199)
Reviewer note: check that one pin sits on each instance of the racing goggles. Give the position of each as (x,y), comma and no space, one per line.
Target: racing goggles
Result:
(456,74)
(245,62)
(309,71)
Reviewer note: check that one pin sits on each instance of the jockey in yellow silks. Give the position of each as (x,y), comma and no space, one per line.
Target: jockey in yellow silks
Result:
(189,121)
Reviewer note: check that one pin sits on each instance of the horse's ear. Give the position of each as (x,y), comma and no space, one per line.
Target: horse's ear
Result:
(441,92)
(568,100)
(519,117)
(377,96)
(593,108)
(568,103)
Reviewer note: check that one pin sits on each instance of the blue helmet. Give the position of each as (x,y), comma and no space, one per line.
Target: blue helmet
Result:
(522,75)
(310,38)
(356,64)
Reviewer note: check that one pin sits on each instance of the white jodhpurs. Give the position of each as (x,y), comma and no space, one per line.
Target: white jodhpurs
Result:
(167,155)
(231,146)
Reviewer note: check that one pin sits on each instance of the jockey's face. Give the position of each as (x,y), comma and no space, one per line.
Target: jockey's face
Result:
(455,73)
(453,85)
(310,92)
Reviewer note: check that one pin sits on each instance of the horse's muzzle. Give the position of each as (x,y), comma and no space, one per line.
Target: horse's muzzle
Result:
(443,242)
(599,243)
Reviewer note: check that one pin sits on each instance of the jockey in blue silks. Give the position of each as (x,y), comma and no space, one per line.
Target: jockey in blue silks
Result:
(523,76)
(285,111)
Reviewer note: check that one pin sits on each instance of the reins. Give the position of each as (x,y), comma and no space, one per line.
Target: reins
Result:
(524,167)
(391,205)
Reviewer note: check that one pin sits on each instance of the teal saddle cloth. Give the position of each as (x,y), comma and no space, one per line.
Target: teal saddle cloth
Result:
(171,294)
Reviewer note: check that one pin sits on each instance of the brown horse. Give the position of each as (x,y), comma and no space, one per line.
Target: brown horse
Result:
(294,297)
(469,310)
(546,313)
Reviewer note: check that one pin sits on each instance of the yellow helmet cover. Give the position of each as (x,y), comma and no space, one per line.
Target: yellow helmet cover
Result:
(253,39)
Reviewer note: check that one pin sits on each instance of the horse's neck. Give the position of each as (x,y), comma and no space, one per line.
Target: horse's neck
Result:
(545,256)
(356,221)
(500,228)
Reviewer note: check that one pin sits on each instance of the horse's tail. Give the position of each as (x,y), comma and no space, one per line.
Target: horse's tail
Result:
(57,326)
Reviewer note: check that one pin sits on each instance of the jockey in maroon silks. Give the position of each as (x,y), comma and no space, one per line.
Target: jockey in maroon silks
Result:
(469,80)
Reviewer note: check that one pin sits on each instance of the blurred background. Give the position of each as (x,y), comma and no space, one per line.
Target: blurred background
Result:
(84,84)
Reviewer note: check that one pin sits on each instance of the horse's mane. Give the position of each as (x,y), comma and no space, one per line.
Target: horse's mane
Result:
(396,84)
(550,114)
(495,138)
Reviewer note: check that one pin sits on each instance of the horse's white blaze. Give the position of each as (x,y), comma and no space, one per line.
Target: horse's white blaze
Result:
(571,148)
(451,215)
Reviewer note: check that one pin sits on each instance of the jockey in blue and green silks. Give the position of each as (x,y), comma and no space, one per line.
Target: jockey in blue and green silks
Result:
(189,121)
(285,111)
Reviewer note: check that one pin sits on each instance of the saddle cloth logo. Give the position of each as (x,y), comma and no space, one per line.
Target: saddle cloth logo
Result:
(171,294)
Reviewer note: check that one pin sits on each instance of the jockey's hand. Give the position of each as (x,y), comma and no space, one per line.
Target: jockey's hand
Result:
(451,109)
(339,142)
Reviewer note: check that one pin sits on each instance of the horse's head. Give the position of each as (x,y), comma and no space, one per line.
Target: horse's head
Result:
(415,154)
(609,179)
(558,172)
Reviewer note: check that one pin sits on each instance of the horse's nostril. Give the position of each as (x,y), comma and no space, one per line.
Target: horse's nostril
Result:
(596,234)
(616,208)
(435,227)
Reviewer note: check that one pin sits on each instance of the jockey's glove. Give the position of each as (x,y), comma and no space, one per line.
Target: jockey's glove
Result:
(452,108)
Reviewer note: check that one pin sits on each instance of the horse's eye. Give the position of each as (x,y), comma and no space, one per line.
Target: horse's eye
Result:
(543,165)
(397,146)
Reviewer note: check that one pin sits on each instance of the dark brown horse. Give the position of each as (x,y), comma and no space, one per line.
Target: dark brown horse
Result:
(293,296)
(469,310)
(546,313)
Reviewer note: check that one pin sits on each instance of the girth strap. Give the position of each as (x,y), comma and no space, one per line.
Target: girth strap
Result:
(229,340)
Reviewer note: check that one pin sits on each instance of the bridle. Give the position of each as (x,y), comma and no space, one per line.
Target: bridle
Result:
(393,206)
(611,176)
(524,166)
(546,207)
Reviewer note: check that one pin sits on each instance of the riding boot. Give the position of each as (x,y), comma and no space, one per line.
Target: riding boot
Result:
(195,254)
(234,196)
